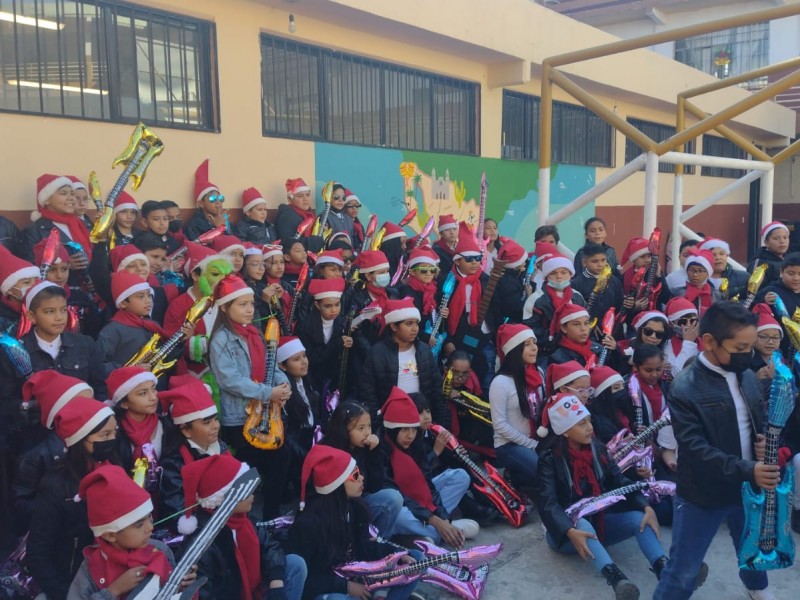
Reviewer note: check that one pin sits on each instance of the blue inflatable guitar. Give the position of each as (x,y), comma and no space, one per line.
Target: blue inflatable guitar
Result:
(767,538)
(448,287)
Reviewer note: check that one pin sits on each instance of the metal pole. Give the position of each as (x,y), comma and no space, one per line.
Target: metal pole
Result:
(720,194)
(650,193)
(601,188)
(683,158)
(787,152)
(729,133)
(767,185)
(545,140)
(677,208)
(786,65)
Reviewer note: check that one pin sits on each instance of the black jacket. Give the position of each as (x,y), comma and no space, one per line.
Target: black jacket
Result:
(287,223)
(35,232)
(615,359)
(445,261)
(33,466)
(9,235)
(542,315)
(370,463)
(249,230)
(710,464)
(611,258)
(125,446)
(381,371)
(404,290)
(556,492)
(197,224)
(737,282)
(773,261)
(611,297)
(508,299)
(324,359)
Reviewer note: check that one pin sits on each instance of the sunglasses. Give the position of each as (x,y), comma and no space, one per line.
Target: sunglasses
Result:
(426,270)
(216,198)
(353,206)
(472,259)
(685,321)
(355,475)
(653,333)
(337,197)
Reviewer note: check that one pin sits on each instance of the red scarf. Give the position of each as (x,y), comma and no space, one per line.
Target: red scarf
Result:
(458,303)
(108,563)
(655,398)
(409,477)
(584,350)
(256,349)
(123,317)
(292,269)
(533,385)
(77,229)
(445,248)
(358,229)
(248,553)
(379,296)
(428,291)
(704,293)
(304,214)
(558,301)
(582,469)
(139,432)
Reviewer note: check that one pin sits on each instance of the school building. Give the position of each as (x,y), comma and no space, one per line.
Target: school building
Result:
(407,103)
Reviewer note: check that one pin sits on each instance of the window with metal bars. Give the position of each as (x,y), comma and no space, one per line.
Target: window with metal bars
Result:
(310,92)
(719,146)
(110,61)
(658,133)
(579,136)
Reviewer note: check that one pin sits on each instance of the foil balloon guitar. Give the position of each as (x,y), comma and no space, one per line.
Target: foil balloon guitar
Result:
(754,284)
(638,277)
(177,258)
(448,287)
(766,537)
(607,329)
(526,279)
(586,507)
(277,524)
(320,223)
(372,225)
(146,473)
(492,485)
(264,425)
(387,572)
(478,409)
(15,581)
(633,451)
(648,288)
(482,241)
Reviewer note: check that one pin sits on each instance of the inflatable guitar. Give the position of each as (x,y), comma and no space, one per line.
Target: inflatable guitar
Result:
(448,287)
(766,538)
(589,506)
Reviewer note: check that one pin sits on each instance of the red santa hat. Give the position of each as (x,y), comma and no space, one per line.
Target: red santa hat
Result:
(250,249)
(422,256)
(78,417)
(202,185)
(288,346)
(227,244)
(77,184)
(197,257)
(401,310)
(446,222)
(466,246)
(294,186)
(205,483)
(604,377)
(557,261)
(392,231)
(125,202)
(511,335)
(113,500)
(563,412)
(678,307)
(514,254)
(649,315)
(326,288)
(543,250)
(124,285)
(766,230)
(560,374)
(371,260)
(52,391)
(12,269)
(566,312)
(711,243)
(122,256)
(188,402)
(327,467)
(701,258)
(34,290)
(47,185)
(399,410)
(340,236)
(62,256)
(332,257)
(350,197)
(271,250)
(124,380)
(765,318)
(636,247)
(229,288)
(251,198)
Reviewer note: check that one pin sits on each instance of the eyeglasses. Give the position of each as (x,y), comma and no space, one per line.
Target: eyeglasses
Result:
(355,475)
(472,259)
(654,333)
(460,374)
(686,321)
(426,270)
(216,198)
(583,393)
(769,339)
(337,197)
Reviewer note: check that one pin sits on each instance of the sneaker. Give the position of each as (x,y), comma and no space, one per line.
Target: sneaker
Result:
(416,596)
(764,594)
(468,527)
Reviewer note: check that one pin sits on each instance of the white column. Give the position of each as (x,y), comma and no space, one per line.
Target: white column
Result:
(650,194)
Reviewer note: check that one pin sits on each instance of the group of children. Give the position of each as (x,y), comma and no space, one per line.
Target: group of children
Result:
(150,365)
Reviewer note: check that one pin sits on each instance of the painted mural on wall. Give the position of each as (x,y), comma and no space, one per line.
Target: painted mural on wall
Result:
(392,182)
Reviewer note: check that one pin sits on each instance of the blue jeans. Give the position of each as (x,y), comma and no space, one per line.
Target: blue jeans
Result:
(451,485)
(294,578)
(618,527)
(384,506)
(693,529)
(489,352)
(521,462)
(400,592)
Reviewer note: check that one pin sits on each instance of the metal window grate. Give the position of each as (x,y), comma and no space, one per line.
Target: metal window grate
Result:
(657,132)
(106,60)
(579,136)
(310,92)
(719,146)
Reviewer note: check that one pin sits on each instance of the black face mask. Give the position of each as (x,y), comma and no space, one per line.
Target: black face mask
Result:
(175,226)
(619,397)
(739,362)
(104,449)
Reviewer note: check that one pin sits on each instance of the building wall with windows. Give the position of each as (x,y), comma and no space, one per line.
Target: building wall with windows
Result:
(404,103)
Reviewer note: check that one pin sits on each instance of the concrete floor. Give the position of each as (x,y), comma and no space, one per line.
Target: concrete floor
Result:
(528,569)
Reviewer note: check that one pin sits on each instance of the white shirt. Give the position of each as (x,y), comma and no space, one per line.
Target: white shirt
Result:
(742,409)
(52,348)
(301,388)
(407,373)
(213,449)
(327,329)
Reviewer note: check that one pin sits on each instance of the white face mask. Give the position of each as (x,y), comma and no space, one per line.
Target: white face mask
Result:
(382,280)
(558,285)
(22,291)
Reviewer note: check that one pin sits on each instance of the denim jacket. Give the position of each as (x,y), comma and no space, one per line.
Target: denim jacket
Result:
(230,362)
